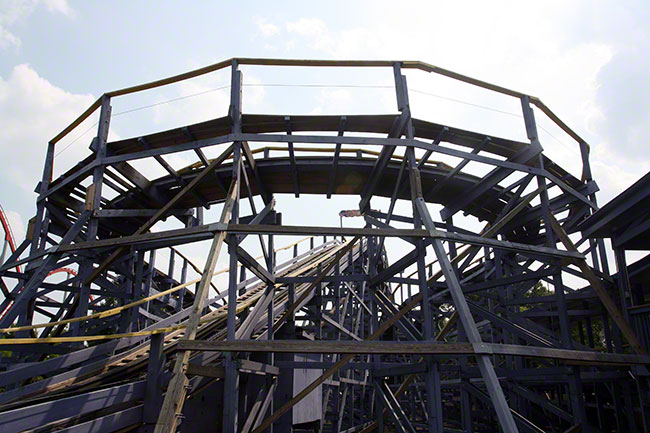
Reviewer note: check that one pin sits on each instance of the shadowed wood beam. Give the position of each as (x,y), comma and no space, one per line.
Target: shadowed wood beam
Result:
(163,210)
(322,63)
(336,367)
(289,311)
(173,403)
(411,378)
(600,290)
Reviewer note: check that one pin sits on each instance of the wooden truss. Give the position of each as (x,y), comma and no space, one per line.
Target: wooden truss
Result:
(451,336)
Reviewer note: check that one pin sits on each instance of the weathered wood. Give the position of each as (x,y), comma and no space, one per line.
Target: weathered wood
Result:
(342,347)
(600,290)
(336,367)
(173,403)
(205,370)
(298,302)
(253,367)
(493,267)
(155,218)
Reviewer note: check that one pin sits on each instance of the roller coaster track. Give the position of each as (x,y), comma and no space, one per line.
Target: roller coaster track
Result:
(132,362)
(9,236)
(498,316)
(10,241)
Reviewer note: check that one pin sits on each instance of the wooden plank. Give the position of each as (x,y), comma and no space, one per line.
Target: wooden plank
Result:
(130,213)
(101,314)
(193,266)
(460,77)
(250,263)
(600,290)
(167,206)
(314,62)
(292,158)
(297,304)
(255,408)
(83,116)
(337,366)
(266,196)
(149,190)
(337,151)
(257,367)
(38,415)
(205,370)
(321,63)
(323,346)
(388,232)
(340,327)
(175,396)
(562,354)
(551,115)
(574,429)
(90,197)
(172,79)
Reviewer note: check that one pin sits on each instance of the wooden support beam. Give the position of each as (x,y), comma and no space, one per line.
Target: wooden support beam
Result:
(292,158)
(173,403)
(249,262)
(435,142)
(383,159)
(194,369)
(253,367)
(267,197)
(325,346)
(161,213)
(190,136)
(438,186)
(130,213)
(298,302)
(336,367)
(600,290)
(335,162)
(169,169)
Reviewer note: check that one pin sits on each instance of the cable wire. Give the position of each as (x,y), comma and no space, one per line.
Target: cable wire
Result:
(353,86)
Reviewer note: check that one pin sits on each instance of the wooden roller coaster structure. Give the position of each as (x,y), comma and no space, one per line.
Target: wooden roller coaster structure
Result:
(455,335)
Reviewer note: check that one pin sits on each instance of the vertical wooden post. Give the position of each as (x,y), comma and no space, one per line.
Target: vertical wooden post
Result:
(231,382)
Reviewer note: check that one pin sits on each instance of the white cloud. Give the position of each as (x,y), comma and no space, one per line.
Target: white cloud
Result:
(315,31)
(60,6)
(12,11)
(269,47)
(309,27)
(582,70)
(319,37)
(266,28)
(613,172)
(290,45)
(8,39)
(32,111)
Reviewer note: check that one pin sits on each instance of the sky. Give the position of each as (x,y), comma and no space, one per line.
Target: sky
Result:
(588,61)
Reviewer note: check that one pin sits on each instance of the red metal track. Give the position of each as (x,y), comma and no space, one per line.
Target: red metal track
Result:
(66,270)
(9,234)
(9,237)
